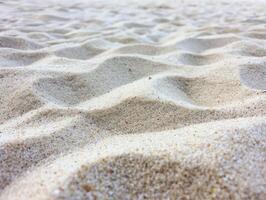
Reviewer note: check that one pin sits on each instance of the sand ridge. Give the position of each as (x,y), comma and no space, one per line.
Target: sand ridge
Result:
(156,100)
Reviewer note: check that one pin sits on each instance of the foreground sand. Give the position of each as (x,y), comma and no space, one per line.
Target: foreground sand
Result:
(132,101)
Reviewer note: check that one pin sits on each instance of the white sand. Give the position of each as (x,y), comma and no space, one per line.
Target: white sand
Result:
(132,99)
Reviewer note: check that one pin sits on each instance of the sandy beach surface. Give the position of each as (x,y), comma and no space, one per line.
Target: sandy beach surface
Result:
(132,99)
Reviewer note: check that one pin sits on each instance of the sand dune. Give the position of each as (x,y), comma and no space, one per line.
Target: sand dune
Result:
(132,100)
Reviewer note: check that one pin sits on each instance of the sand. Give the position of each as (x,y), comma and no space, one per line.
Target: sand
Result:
(132,99)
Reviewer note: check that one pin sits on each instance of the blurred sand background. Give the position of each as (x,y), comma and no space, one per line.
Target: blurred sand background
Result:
(132,99)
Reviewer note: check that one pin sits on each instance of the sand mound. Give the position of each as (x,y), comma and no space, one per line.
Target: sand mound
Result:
(254,76)
(211,90)
(18,43)
(17,58)
(110,74)
(195,59)
(199,45)
(192,163)
(82,51)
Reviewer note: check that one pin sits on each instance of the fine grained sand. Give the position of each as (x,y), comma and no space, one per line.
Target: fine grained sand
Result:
(132,99)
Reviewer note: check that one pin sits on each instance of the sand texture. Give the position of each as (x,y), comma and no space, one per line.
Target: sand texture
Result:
(132,100)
